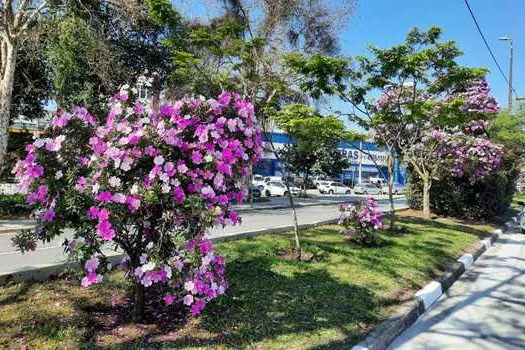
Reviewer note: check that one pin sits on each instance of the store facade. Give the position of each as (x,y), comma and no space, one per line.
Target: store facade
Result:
(365,160)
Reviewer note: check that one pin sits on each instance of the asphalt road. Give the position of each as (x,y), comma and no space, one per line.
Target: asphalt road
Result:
(483,310)
(12,260)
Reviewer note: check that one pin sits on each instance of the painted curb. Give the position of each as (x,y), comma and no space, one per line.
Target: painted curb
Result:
(385,334)
(467,260)
(430,293)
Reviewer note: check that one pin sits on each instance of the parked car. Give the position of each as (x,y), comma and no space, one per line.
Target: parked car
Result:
(278,188)
(258,181)
(272,178)
(398,189)
(334,188)
(317,180)
(378,181)
(255,191)
(366,188)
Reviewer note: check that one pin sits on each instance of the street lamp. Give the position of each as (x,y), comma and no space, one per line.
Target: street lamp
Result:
(509,39)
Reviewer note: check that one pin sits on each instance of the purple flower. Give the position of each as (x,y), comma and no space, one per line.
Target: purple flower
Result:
(92,264)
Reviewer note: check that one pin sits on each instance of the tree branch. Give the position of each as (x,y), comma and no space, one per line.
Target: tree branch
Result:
(32,16)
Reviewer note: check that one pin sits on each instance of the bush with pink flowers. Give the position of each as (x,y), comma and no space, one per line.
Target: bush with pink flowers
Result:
(361,222)
(148,183)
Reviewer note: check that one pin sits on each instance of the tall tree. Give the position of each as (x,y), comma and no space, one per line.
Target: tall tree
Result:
(311,131)
(16,17)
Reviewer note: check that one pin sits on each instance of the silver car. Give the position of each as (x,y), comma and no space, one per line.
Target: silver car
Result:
(335,188)
(398,189)
(366,188)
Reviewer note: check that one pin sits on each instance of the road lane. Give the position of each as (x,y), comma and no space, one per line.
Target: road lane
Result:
(12,260)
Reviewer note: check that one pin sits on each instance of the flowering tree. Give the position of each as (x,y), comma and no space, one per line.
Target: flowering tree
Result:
(147,183)
(361,221)
(421,86)
(440,133)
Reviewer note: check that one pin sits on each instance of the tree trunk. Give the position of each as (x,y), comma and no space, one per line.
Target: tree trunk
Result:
(6,93)
(138,310)
(295,223)
(307,174)
(426,196)
(391,194)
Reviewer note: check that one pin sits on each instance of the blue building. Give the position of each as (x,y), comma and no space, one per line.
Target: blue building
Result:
(365,160)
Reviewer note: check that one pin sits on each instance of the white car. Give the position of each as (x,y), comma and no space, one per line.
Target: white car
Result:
(398,189)
(278,188)
(366,188)
(334,188)
(258,181)
(321,180)
(378,181)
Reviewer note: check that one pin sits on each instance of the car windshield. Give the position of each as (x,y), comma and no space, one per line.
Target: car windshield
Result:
(277,184)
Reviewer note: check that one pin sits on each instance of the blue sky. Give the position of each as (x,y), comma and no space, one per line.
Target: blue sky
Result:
(386,22)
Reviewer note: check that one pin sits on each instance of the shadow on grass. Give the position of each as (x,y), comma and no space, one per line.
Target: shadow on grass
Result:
(262,304)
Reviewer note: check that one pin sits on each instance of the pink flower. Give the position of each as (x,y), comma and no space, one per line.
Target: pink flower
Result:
(188,299)
(93,212)
(168,299)
(182,168)
(80,185)
(48,215)
(90,279)
(196,157)
(104,197)
(105,230)
(178,194)
(119,198)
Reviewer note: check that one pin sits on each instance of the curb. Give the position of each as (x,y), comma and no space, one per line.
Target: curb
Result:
(385,334)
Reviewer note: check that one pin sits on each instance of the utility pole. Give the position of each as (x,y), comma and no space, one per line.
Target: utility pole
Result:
(511,59)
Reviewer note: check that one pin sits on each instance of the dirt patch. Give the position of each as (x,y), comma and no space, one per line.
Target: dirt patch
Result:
(292,254)
(415,213)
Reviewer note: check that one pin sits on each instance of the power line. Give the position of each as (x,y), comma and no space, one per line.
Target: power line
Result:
(488,47)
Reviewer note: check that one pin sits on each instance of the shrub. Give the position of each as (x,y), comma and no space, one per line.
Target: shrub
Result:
(149,183)
(361,222)
(14,204)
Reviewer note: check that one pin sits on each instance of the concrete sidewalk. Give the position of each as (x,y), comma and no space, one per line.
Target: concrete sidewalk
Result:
(484,309)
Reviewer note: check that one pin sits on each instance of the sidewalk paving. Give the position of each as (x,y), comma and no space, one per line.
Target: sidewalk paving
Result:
(483,310)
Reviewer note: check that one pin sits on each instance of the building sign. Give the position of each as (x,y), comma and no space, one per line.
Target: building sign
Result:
(356,156)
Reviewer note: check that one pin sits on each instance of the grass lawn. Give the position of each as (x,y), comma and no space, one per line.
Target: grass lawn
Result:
(271,303)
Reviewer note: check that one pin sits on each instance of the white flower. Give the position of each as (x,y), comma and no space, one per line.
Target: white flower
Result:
(189,286)
(208,158)
(166,188)
(58,175)
(175,182)
(39,143)
(168,271)
(164,177)
(117,163)
(134,189)
(158,160)
(126,164)
(148,267)
(114,181)
(95,188)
